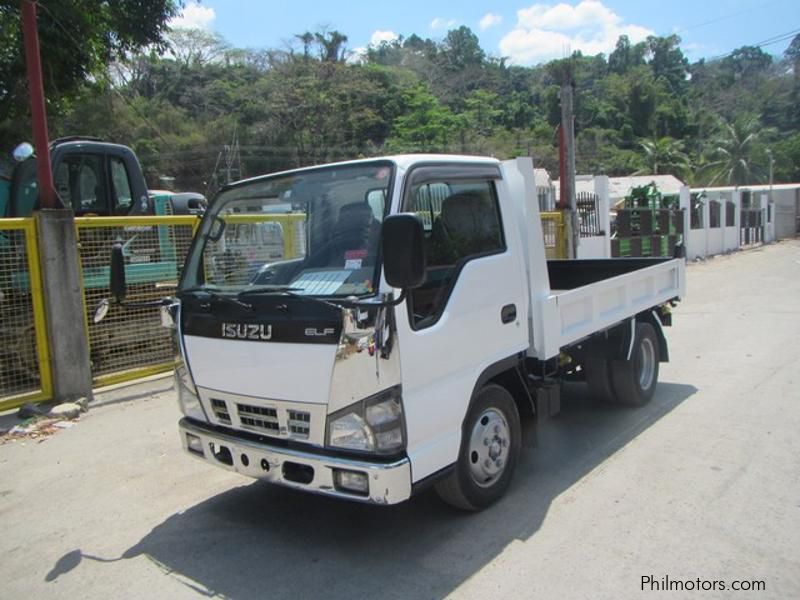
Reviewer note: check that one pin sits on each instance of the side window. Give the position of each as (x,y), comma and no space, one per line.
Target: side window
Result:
(462,223)
(123,198)
(79,181)
(61,181)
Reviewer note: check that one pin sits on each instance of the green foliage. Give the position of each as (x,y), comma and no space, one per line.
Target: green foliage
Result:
(737,156)
(644,109)
(78,39)
(664,156)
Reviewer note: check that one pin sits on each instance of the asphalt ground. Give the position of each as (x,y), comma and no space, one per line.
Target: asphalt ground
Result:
(701,486)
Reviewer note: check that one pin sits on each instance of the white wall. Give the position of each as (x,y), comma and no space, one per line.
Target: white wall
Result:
(731,234)
(785,212)
(599,246)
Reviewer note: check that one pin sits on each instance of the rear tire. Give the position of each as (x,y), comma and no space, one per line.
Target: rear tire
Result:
(598,378)
(635,380)
(490,445)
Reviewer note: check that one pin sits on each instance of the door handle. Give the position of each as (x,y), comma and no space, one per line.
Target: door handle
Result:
(508,313)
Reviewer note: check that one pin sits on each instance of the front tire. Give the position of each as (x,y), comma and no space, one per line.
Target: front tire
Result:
(635,379)
(490,445)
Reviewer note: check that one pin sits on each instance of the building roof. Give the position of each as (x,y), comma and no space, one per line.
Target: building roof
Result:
(619,187)
(542,178)
(755,188)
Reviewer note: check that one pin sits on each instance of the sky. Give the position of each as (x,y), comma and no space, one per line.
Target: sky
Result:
(525,31)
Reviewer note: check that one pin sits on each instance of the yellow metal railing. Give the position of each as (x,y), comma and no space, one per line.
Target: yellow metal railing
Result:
(24,352)
(131,343)
(555,234)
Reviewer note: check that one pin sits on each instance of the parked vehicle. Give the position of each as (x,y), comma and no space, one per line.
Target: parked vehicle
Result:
(92,177)
(406,344)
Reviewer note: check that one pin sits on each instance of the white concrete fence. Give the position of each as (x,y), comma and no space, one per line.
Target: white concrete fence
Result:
(718,228)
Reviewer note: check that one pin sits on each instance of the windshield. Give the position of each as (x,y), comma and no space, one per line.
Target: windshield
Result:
(314,232)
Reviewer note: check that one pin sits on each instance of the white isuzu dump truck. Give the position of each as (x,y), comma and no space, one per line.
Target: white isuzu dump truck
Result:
(400,345)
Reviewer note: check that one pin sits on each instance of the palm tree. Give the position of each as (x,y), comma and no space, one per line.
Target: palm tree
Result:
(664,156)
(734,151)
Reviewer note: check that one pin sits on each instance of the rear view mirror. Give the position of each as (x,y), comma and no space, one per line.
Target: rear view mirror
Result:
(118,285)
(216,230)
(403,251)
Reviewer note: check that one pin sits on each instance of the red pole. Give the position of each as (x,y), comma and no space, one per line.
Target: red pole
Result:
(47,192)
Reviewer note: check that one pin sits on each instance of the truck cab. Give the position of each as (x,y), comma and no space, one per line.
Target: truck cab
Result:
(405,339)
(94,178)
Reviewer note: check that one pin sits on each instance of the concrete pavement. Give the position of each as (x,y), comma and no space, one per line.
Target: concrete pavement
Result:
(702,483)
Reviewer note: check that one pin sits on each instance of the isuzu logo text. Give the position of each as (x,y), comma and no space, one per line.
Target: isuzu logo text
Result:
(246,331)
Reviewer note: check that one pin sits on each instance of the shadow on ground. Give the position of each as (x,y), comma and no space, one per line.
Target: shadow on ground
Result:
(259,540)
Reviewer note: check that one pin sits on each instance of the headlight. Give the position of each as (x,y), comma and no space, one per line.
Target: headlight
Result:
(371,425)
(188,399)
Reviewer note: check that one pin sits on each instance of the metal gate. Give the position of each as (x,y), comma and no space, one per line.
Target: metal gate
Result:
(751,226)
(555,235)
(24,353)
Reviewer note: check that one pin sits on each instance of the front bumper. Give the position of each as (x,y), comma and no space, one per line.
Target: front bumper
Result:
(389,483)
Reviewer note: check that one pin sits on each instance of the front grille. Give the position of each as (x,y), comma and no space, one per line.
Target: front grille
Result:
(221,411)
(265,419)
(299,423)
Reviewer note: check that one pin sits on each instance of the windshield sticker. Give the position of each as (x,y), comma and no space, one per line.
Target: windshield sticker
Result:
(352,264)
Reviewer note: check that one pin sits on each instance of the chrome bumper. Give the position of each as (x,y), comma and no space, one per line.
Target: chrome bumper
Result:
(388,483)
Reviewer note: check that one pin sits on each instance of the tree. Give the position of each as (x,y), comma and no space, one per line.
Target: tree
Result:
(667,61)
(331,45)
(734,153)
(664,156)
(306,38)
(461,49)
(78,39)
(426,125)
(196,47)
(625,56)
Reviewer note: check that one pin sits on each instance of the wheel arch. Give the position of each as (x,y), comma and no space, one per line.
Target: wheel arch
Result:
(508,373)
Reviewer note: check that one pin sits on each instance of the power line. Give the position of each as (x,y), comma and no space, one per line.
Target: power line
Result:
(769,41)
(759,5)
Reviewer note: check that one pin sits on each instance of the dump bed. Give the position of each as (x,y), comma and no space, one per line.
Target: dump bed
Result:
(588,296)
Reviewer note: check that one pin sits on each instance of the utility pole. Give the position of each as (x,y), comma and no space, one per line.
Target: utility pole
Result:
(47,191)
(568,183)
(70,365)
(771,163)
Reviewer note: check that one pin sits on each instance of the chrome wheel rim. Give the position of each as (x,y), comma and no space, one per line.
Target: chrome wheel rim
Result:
(647,363)
(489,447)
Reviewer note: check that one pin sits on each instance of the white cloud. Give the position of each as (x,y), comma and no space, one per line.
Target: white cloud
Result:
(490,20)
(544,31)
(439,23)
(194,16)
(382,36)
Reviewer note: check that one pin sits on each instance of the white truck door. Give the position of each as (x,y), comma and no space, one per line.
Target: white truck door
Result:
(470,313)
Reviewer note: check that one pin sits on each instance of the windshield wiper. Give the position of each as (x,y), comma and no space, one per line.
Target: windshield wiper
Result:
(288,290)
(216,296)
(269,289)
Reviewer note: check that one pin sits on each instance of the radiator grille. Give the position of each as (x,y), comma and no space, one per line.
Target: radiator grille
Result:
(265,419)
(221,410)
(299,423)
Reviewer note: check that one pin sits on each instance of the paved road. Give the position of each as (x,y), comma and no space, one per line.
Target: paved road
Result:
(703,483)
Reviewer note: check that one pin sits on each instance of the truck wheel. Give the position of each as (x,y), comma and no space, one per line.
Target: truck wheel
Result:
(598,378)
(489,450)
(635,379)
